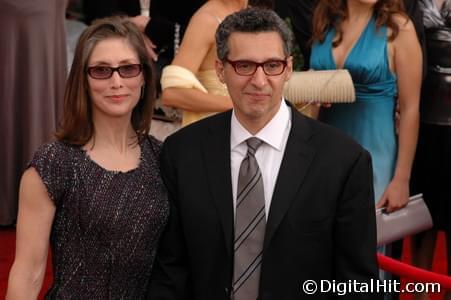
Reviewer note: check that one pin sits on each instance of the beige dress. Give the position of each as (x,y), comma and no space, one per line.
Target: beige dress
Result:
(32,78)
(211,82)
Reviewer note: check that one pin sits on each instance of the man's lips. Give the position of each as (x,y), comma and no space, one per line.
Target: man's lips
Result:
(257,95)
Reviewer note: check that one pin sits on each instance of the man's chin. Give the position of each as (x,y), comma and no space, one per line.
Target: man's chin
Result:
(254,113)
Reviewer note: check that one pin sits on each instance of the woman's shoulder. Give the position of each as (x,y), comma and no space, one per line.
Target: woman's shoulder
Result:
(153,144)
(154,141)
(54,150)
(210,14)
(194,46)
(405,30)
(53,155)
(403,21)
(53,163)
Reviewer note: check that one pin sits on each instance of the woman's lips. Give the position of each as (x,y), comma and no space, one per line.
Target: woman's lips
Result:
(116,97)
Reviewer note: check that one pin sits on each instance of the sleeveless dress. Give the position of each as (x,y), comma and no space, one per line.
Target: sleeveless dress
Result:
(211,83)
(107,224)
(370,119)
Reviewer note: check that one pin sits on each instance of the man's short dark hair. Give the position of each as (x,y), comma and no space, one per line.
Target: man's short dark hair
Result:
(252,20)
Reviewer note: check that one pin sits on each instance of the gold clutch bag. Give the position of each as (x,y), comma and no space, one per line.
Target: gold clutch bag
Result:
(411,219)
(327,86)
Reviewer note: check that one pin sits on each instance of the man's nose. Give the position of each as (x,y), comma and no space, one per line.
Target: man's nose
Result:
(259,78)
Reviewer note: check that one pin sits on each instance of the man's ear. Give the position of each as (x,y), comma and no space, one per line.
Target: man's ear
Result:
(289,69)
(219,66)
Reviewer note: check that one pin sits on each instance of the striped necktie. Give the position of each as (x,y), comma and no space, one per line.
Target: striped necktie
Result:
(250,225)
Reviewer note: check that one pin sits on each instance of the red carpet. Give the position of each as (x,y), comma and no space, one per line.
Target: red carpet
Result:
(439,264)
(7,248)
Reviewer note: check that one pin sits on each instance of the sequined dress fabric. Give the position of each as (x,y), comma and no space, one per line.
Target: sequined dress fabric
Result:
(107,223)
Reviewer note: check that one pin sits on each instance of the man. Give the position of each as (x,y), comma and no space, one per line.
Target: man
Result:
(262,198)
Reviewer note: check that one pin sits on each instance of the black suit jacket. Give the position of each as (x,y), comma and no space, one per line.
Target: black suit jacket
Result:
(321,224)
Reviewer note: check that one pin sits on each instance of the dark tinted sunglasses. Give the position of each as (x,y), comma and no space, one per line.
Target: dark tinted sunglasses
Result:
(105,72)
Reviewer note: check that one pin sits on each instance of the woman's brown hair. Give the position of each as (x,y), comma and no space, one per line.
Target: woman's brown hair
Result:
(77,126)
(331,13)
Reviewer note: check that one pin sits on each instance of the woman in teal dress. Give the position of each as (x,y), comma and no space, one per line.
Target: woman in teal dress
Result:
(376,42)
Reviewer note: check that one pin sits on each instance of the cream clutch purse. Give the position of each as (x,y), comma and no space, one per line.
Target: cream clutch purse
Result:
(327,86)
(411,219)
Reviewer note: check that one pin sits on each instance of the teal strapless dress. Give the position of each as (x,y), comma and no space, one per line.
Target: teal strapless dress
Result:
(370,120)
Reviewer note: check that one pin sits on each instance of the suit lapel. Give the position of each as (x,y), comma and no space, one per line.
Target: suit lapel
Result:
(216,151)
(294,167)
(295,164)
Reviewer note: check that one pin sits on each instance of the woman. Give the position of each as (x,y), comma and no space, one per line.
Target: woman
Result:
(96,191)
(190,82)
(377,43)
(432,162)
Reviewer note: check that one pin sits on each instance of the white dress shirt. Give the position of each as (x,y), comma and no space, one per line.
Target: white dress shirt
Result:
(269,155)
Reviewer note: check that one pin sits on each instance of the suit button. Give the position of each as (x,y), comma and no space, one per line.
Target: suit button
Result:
(227,291)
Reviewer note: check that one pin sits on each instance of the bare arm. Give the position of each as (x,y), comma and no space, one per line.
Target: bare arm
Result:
(195,100)
(36,212)
(197,41)
(408,66)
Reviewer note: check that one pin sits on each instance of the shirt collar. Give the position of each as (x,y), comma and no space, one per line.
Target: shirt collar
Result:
(271,134)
